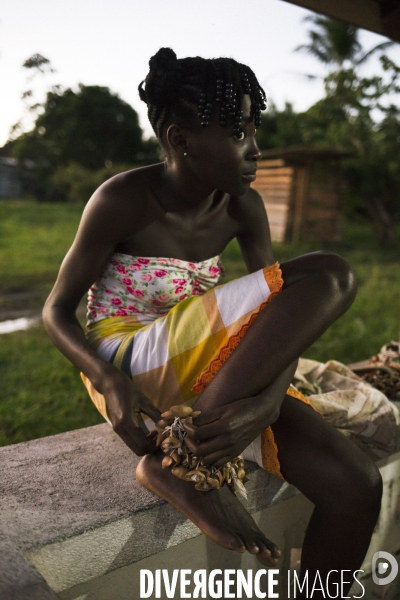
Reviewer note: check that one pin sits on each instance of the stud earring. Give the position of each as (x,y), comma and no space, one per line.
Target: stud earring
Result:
(185,154)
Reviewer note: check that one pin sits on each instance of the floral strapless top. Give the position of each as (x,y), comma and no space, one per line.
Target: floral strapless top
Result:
(147,288)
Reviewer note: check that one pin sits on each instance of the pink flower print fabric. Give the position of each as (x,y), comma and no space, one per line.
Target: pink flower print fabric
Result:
(148,288)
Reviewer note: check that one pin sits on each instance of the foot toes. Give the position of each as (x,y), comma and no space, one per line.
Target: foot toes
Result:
(250,542)
(237,544)
(268,558)
(267,561)
(270,546)
(252,547)
(261,546)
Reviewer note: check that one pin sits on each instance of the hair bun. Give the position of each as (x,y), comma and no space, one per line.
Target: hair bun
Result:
(161,79)
(165,60)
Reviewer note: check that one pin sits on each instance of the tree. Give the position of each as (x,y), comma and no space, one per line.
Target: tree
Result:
(358,115)
(280,128)
(92,128)
(336,43)
(36,65)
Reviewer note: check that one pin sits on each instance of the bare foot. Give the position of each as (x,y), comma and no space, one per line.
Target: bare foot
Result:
(218,513)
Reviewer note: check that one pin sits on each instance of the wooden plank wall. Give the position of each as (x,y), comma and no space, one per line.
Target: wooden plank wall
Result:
(274,183)
(296,223)
(322,219)
(302,201)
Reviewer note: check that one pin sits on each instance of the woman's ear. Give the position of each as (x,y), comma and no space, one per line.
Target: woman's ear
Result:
(177,140)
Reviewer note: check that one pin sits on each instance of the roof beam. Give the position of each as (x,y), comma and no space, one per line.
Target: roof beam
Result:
(390,12)
(381,17)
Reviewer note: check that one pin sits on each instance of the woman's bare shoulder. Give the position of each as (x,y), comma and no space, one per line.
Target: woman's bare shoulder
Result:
(125,199)
(130,187)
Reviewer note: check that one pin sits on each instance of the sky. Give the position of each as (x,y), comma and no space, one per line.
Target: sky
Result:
(109,43)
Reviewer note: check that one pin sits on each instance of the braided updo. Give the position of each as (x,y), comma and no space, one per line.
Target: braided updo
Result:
(178,90)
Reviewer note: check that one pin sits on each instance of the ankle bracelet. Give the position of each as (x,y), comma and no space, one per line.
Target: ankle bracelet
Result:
(184,465)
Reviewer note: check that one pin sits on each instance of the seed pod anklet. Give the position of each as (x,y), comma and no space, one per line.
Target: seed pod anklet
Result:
(171,434)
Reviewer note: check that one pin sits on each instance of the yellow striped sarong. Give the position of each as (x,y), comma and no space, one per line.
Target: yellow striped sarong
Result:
(172,359)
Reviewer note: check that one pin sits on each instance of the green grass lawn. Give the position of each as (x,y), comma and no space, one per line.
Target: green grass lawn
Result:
(41,392)
(34,238)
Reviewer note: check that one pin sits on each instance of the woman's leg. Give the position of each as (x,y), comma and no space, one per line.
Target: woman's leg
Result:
(342,482)
(218,513)
(318,288)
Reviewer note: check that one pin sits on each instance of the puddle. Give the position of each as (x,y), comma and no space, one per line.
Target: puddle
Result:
(17,324)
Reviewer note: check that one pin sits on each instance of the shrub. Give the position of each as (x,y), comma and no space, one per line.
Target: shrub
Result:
(74,183)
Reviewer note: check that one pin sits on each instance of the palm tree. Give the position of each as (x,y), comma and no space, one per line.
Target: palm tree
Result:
(334,43)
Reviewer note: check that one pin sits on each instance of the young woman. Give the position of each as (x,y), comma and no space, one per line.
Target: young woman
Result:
(160,333)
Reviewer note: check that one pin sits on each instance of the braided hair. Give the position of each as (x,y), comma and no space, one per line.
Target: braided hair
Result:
(178,90)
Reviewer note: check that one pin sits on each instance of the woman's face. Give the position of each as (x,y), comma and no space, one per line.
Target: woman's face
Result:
(222,160)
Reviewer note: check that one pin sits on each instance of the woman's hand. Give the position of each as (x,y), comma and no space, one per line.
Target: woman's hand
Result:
(226,431)
(124,404)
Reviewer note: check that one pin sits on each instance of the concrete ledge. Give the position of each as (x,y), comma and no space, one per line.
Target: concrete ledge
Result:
(70,504)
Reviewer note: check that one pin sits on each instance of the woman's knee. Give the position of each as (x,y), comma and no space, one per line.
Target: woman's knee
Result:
(374,487)
(341,273)
(331,273)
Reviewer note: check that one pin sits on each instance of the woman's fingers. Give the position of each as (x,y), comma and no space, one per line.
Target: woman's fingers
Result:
(129,430)
(149,409)
(136,440)
(203,432)
(218,459)
(221,443)
(208,417)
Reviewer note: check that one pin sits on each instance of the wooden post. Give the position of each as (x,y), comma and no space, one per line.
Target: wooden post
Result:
(300,190)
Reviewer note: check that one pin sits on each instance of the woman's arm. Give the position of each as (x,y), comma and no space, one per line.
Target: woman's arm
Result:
(105,223)
(254,235)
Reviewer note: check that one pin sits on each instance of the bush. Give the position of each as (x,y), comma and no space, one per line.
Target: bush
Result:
(76,184)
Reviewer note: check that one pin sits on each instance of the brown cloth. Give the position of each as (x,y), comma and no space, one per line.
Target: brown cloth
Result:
(357,409)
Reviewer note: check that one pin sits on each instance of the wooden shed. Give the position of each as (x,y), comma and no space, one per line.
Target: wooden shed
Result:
(301,188)
(10,178)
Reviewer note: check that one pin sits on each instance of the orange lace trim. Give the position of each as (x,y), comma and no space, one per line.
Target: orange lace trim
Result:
(269,453)
(273,277)
(292,391)
(269,449)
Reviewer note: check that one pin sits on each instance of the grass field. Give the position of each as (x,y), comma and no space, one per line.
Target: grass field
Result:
(41,393)
(33,241)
